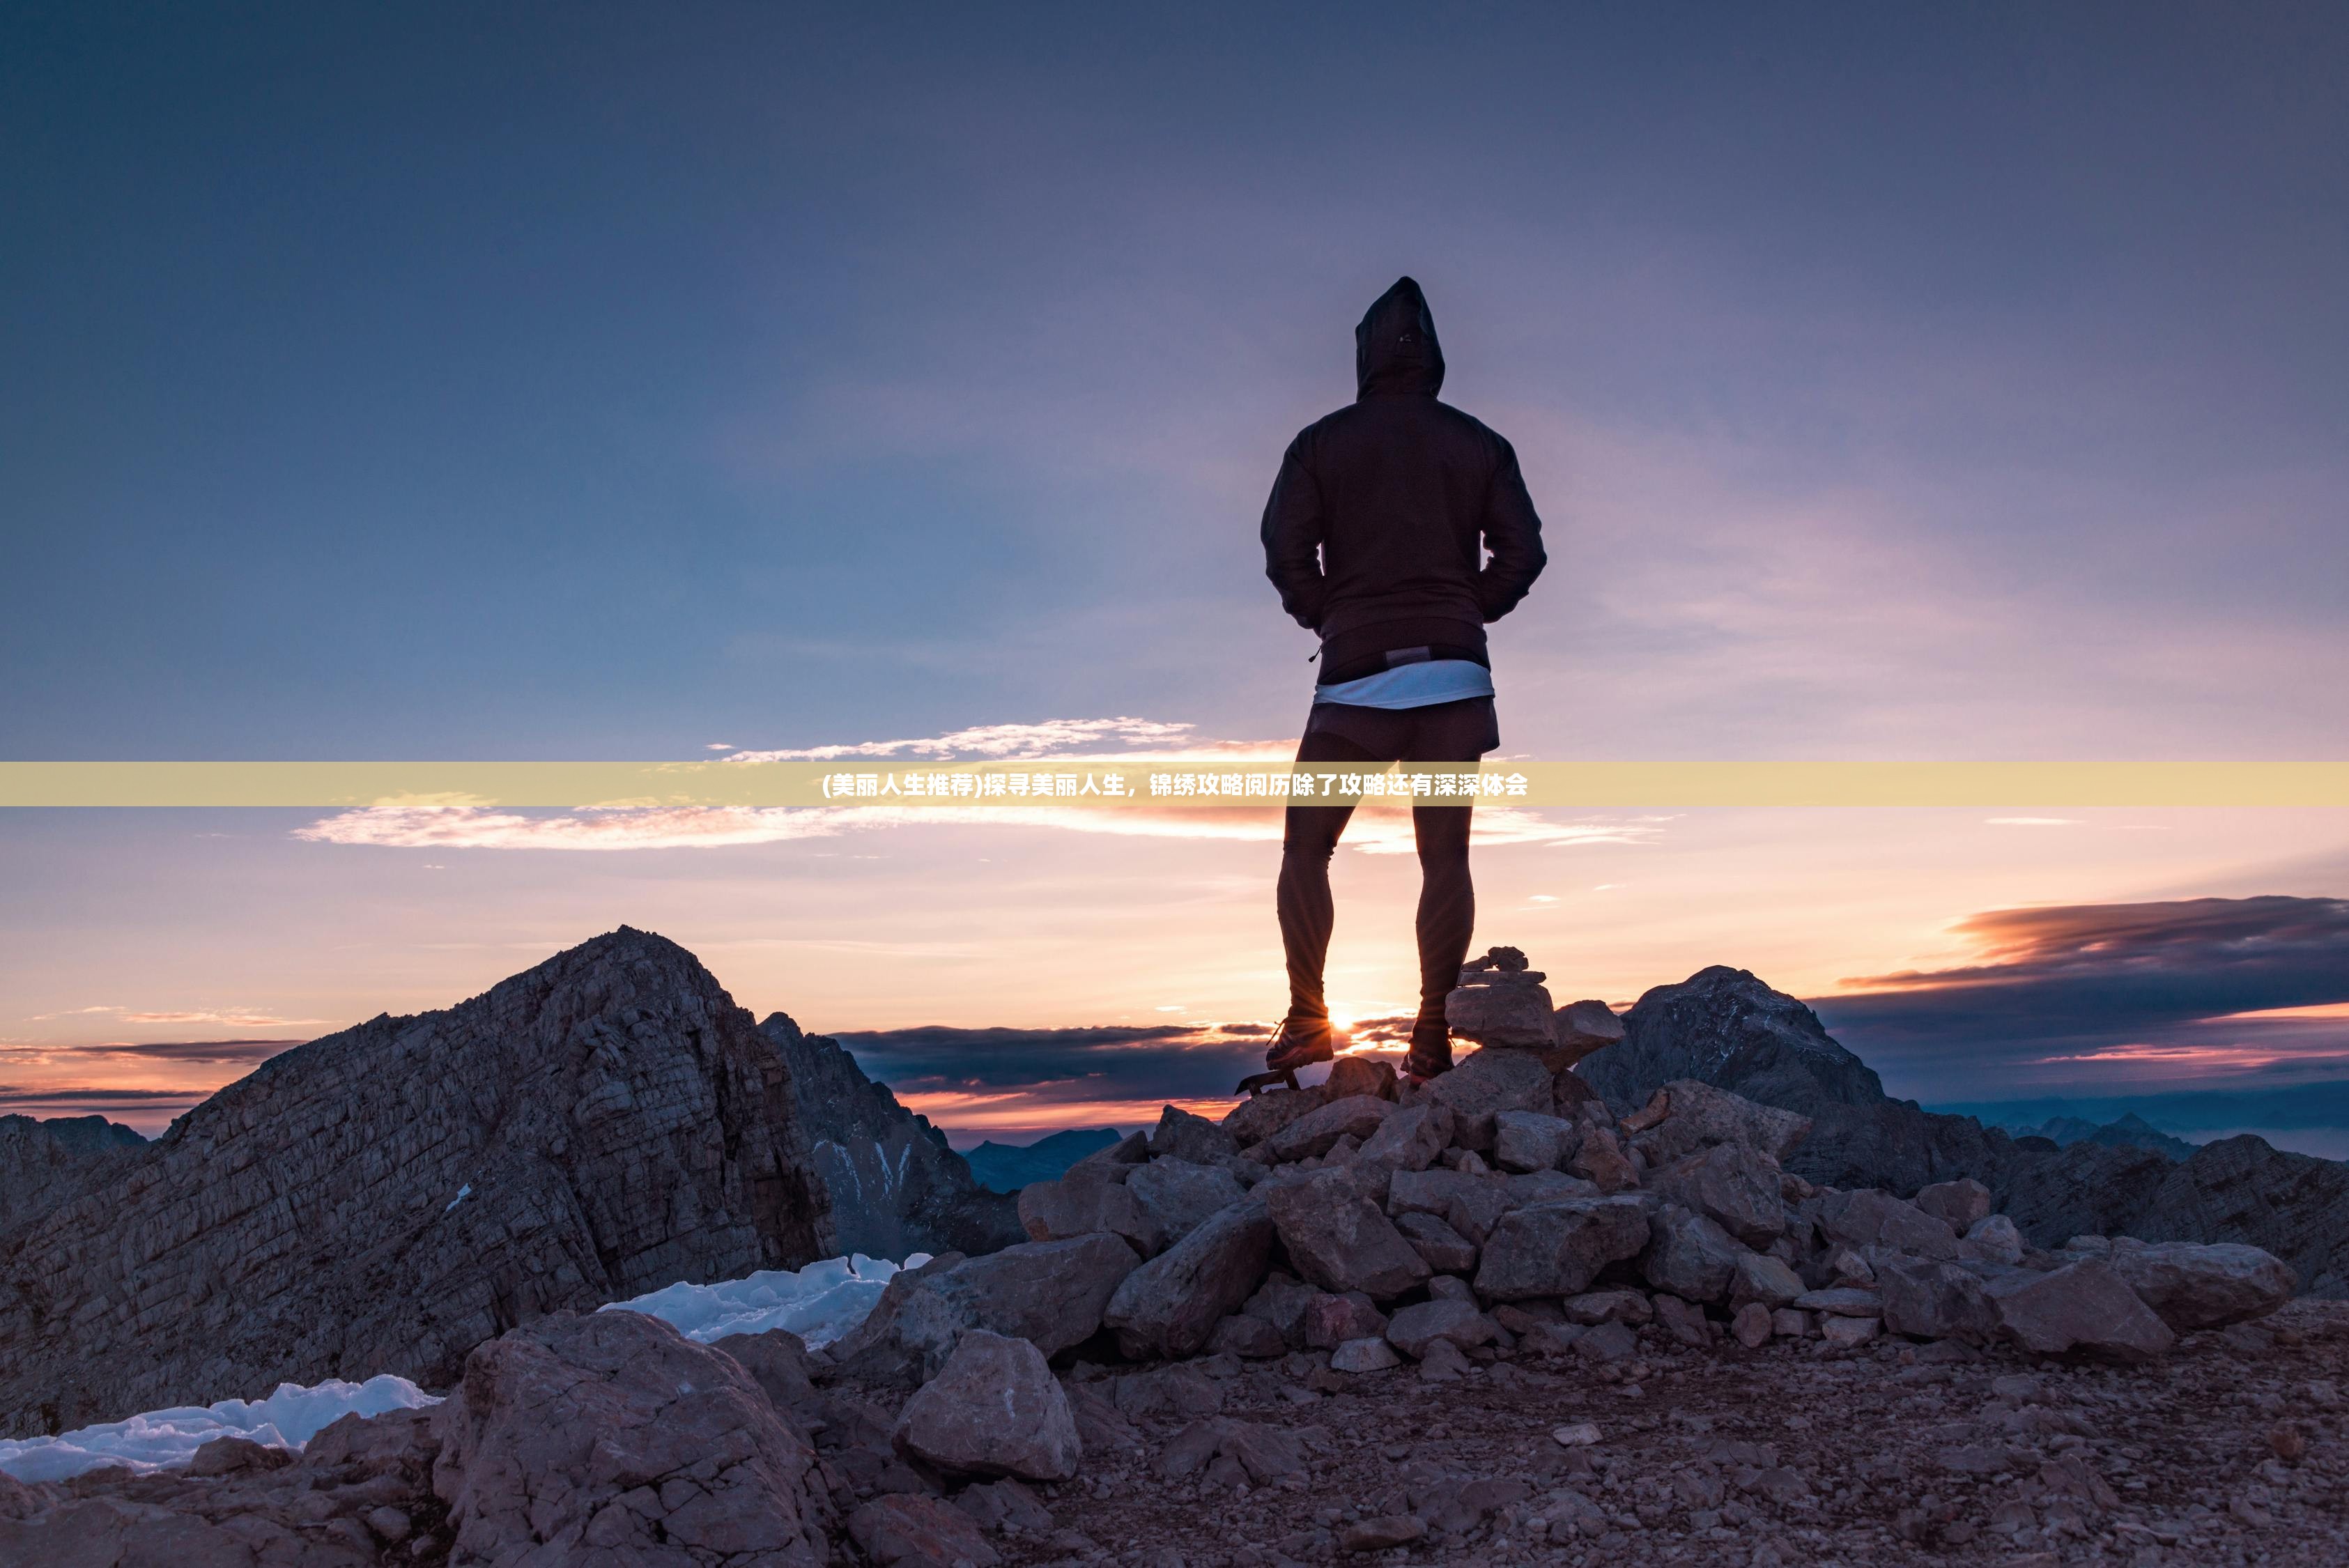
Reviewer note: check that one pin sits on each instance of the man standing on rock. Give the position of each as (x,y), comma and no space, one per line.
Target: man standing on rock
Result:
(1377,536)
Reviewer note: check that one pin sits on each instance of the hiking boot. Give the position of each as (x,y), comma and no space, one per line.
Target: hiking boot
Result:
(1431,1050)
(1299,1043)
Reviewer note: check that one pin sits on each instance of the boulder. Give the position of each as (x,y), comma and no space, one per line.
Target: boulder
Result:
(1488,1083)
(1683,1322)
(918,1532)
(2190,1286)
(1594,1307)
(1115,1163)
(1177,1196)
(1316,1132)
(1331,1320)
(1689,1255)
(1841,1301)
(1003,1505)
(1170,1305)
(1446,1251)
(1050,1293)
(555,1420)
(1696,1115)
(1338,1240)
(1434,1192)
(1869,1218)
(1359,1356)
(1281,1300)
(1082,1205)
(1531,1140)
(1244,1335)
(1558,1249)
(1734,1185)
(1995,1240)
(1414,1328)
(1601,1162)
(1764,1279)
(994,1410)
(1931,1300)
(1182,1136)
(1411,1139)
(777,1361)
(2084,1307)
(1501,1009)
(1360,1076)
(1259,1116)
(1960,1205)
(1848,1331)
(1752,1325)
(1581,1027)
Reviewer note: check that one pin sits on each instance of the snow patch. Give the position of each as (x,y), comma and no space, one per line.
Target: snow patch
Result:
(463,1193)
(819,1303)
(288,1418)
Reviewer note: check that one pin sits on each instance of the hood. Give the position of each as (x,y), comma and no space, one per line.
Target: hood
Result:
(1395,348)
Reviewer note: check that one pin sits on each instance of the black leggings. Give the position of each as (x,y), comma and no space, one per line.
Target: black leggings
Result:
(1443,733)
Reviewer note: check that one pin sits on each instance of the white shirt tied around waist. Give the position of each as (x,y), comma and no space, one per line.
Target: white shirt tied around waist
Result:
(1418,684)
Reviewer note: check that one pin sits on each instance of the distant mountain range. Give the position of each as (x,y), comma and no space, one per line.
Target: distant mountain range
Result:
(1007,1167)
(2132,1131)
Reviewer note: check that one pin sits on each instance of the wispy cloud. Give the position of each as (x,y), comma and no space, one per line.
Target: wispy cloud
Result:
(232,1018)
(989,741)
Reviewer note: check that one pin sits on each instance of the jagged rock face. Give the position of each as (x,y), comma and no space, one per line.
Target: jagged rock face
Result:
(1724,1027)
(386,1198)
(44,1162)
(895,1187)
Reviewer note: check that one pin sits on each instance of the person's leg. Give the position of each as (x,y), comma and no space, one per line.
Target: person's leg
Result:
(1448,733)
(1307,913)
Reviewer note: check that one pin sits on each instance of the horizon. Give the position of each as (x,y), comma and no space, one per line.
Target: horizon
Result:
(1935,386)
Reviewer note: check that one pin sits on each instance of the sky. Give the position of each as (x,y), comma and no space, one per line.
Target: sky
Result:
(443,382)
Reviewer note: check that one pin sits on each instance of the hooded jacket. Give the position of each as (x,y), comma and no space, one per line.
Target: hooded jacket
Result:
(1381,514)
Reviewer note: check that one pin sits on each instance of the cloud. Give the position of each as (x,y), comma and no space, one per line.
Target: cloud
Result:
(234,1018)
(1374,831)
(18,1096)
(235,1052)
(988,741)
(2115,993)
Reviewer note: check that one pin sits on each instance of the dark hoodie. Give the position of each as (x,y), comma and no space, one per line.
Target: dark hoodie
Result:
(1377,527)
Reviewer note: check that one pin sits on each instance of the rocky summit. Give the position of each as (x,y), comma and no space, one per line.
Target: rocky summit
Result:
(387,1198)
(1485,1320)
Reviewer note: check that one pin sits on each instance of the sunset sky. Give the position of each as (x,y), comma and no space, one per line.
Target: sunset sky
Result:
(452,382)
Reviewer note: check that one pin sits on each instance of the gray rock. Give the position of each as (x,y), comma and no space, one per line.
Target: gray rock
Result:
(1411,1139)
(554,1421)
(1531,1140)
(620,1123)
(1357,1116)
(1414,1328)
(918,1531)
(1331,1320)
(1176,1197)
(1601,1162)
(1681,1321)
(1170,1305)
(2190,1286)
(1050,1293)
(1339,1239)
(1871,1219)
(1558,1249)
(1499,1009)
(1752,1325)
(1182,1136)
(1699,1116)
(1488,1083)
(2084,1307)
(1931,1300)
(1764,1279)
(1115,1163)
(1593,1307)
(1608,1342)
(1244,1334)
(1003,1505)
(1960,1205)
(44,1162)
(1841,1301)
(1995,1240)
(1446,1249)
(994,1410)
(1549,1187)
(1689,1255)
(1848,1331)
(1359,1356)
(1734,1186)
(1360,1076)
(1583,1027)
(1281,1300)
(1435,1191)
(1083,1204)
(1257,1119)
